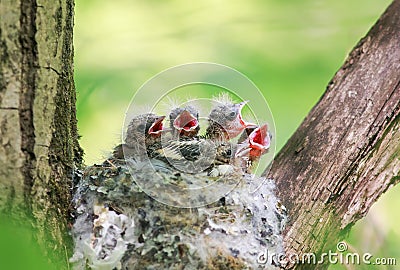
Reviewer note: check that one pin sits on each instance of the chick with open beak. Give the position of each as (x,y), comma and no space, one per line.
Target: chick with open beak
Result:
(226,122)
(254,146)
(144,128)
(143,134)
(184,122)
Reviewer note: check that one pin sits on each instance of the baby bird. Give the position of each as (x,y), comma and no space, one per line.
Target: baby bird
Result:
(145,127)
(143,135)
(225,121)
(191,152)
(251,149)
(184,122)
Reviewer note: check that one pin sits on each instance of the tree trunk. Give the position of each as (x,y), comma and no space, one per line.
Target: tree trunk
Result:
(346,153)
(38,134)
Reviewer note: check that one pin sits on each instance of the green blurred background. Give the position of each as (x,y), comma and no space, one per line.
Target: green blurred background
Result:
(290,49)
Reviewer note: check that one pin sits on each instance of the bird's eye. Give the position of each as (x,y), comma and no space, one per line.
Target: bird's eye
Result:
(232,114)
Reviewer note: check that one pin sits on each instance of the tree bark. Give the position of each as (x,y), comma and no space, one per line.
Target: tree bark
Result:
(346,153)
(38,134)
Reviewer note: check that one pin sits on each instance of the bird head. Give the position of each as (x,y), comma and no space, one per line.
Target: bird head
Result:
(229,117)
(144,126)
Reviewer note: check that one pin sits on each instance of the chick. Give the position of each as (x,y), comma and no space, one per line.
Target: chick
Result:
(184,122)
(225,121)
(251,149)
(144,128)
(198,153)
(143,135)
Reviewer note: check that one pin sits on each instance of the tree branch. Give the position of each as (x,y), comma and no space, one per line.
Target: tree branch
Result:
(346,153)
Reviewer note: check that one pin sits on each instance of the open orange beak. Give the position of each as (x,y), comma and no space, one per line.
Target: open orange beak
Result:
(259,139)
(157,127)
(186,121)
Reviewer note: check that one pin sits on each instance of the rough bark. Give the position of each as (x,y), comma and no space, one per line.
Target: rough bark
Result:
(38,133)
(346,153)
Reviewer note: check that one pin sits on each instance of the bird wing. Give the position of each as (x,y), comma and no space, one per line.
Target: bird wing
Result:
(181,150)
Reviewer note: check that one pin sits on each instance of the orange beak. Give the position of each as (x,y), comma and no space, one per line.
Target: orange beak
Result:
(259,139)
(157,127)
(186,121)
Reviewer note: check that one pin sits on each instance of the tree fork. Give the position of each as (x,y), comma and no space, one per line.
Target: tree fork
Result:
(346,153)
